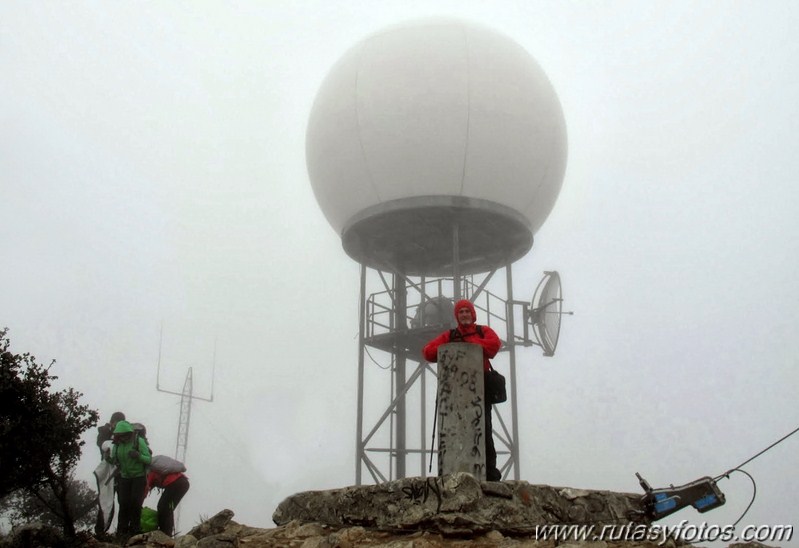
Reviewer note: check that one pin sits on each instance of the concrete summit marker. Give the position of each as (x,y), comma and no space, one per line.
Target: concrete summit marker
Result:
(460,410)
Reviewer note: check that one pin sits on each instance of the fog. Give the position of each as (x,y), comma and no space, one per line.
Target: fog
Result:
(153,182)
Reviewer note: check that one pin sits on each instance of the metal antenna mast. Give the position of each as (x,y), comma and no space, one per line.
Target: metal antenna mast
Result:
(185,417)
(186,398)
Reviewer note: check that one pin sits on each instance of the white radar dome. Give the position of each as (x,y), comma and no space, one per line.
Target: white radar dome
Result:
(432,126)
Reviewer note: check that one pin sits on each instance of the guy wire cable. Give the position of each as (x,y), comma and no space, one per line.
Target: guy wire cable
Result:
(744,463)
(739,468)
(754,493)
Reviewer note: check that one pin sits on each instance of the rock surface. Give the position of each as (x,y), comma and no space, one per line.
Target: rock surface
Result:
(454,511)
(459,504)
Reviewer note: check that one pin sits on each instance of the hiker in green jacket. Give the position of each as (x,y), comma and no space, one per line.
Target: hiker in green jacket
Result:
(131,454)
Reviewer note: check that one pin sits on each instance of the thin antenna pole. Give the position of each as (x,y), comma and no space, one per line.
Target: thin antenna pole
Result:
(359,450)
(511,326)
(456,259)
(160,345)
(213,372)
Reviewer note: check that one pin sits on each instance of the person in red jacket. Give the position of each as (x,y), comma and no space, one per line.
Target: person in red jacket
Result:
(467,331)
(174,485)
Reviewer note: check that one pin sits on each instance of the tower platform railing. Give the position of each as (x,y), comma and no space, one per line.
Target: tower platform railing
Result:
(428,312)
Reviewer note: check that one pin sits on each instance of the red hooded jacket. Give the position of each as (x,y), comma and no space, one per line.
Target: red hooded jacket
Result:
(489,341)
(154,479)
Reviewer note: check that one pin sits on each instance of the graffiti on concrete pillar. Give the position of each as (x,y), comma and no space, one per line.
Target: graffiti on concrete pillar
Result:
(461,442)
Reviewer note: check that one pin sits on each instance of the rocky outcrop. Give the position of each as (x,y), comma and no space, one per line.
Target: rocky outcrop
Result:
(459,504)
(455,511)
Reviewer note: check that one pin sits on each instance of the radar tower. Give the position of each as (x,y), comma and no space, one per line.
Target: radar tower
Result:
(436,149)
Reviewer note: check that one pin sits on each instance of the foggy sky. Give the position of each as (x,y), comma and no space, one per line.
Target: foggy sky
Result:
(152,174)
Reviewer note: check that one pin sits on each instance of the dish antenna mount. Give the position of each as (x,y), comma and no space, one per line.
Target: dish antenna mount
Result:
(544,312)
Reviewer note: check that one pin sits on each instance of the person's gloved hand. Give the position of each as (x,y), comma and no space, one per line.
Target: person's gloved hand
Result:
(133,454)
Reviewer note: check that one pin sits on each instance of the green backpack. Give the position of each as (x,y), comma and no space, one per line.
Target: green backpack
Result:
(149,520)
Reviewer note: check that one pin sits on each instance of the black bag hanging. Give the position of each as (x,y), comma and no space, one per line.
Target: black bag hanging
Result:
(495,387)
(494,382)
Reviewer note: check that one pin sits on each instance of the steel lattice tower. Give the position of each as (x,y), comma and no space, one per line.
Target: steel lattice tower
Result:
(184,418)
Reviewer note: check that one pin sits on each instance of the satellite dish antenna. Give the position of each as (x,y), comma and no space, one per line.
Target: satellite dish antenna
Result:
(545,312)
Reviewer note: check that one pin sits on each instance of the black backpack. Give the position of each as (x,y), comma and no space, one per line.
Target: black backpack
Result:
(495,391)
(104,433)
